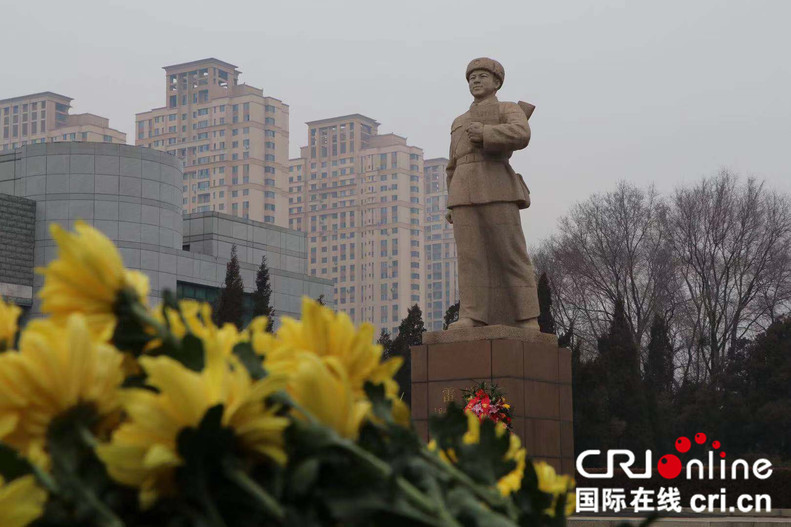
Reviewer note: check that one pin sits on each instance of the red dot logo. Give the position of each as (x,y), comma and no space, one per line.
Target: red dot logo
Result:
(700,438)
(669,466)
(715,445)
(722,455)
(683,444)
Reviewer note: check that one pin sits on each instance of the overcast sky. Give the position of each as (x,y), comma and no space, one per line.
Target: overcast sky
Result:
(660,92)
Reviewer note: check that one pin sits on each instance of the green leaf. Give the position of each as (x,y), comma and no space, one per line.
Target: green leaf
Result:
(129,334)
(170,300)
(206,441)
(305,475)
(531,501)
(485,460)
(306,439)
(190,353)
(12,464)
(250,359)
(448,428)
(472,512)
(382,407)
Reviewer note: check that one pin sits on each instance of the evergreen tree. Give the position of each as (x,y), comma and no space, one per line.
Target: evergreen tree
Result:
(451,315)
(262,295)
(658,382)
(410,333)
(545,320)
(626,401)
(386,342)
(229,304)
(768,391)
(591,419)
(567,339)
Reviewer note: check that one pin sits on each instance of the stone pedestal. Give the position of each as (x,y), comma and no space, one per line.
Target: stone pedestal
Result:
(529,368)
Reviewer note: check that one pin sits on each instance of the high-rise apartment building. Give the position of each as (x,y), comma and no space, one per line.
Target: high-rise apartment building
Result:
(44,118)
(359,197)
(233,141)
(442,285)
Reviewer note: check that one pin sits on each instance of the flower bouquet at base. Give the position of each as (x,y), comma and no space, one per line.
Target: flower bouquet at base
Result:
(488,402)
(117,414)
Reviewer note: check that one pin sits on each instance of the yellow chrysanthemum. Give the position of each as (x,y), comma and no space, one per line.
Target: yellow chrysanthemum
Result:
(329,334)
(552,483)
(56,369)
(348,353)
(21,501)
(87,277)
(9,314)
(322,388)
(197,320)
(512,481)
(143,451)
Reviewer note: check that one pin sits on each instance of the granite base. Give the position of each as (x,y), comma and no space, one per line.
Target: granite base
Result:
(528,366)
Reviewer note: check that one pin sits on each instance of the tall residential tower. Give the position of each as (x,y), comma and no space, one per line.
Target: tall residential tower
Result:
(233,141)
(442,286)
(44,118)
(359,197)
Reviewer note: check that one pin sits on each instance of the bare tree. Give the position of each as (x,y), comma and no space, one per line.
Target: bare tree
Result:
(732,245)
(611,246)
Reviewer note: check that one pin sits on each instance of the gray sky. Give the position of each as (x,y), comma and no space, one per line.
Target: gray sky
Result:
(651,92)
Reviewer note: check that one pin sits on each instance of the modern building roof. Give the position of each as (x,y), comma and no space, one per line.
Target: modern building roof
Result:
(342,118)
(200,62)
(39,94)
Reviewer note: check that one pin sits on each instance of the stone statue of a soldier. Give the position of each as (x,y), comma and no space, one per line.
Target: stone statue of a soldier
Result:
(496,278)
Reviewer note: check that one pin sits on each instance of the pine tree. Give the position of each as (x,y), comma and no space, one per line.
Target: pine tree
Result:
(386,342)
(658,382)
(262,295)
(545,320)
(591,419)
(628,413)
(567,339)
(410,333)
(229,305)
(451,315)
(768,391)
(411,329)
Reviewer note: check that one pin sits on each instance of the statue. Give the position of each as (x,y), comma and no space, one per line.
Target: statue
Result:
(496,278)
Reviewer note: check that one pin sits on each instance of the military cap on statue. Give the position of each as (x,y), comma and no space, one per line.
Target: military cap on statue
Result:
(490,65)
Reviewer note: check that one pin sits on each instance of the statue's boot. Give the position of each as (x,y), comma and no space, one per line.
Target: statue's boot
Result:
(530,323)
(466,323)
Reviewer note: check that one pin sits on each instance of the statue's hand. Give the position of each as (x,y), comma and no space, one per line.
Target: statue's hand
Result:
(475,132)
(449,217)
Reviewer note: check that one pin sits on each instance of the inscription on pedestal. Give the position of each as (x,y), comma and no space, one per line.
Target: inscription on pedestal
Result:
(448,396)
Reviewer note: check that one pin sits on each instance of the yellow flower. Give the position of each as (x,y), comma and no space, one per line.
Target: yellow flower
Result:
(21,501)
(9,313)
(143,451)
(87,277)
(349,353)
(198,320)
(56,369)
(552,483)
(512,481)
(322,388)
(329,334)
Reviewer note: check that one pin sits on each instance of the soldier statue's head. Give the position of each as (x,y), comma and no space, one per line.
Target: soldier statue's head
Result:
(484,76)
